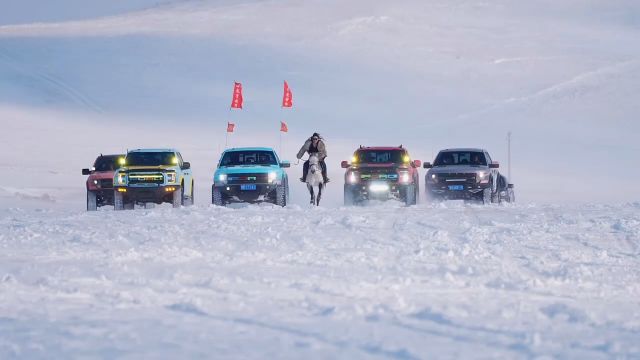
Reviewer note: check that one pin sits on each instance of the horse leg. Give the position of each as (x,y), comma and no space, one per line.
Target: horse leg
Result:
(313,198)
(320,186)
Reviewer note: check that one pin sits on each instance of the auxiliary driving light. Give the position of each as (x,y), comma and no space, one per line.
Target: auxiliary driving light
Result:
(169,189)
(122,190)
(382,187)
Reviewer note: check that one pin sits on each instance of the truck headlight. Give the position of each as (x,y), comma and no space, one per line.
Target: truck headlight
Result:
(171,177)
(433,178)
(121,179)
(403,177)
(483,177)
(221,178)
(273,176)
(352,178)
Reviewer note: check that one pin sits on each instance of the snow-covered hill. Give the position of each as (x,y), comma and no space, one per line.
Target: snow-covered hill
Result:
(529,280)
(384,281)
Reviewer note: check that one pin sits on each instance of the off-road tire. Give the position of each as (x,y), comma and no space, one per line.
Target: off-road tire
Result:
(178,197)
(410,196)
(192,199)
(92,201)
(118,201)
(349,199)
(486,196)
(281,195)
(216,197)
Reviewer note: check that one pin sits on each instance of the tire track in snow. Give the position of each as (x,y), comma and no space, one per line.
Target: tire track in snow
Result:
(51,81)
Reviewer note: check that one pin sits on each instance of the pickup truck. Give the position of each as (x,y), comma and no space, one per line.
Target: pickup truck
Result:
(381,173)
(466,174)
(148,176)
(250,175)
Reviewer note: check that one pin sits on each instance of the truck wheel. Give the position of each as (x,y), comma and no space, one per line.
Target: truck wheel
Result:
(216,197)
(486,196)
(349,199)
(178,197)
(191,198)
(118,201)
(92,201)
(281,195)
(410,195)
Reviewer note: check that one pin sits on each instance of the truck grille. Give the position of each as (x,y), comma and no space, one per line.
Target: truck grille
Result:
(106,183)
(379,176)
(247,178)
(462,178)
(145,178)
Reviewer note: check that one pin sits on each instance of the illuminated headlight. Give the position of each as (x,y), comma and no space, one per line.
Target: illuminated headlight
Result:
(121,179)
(483,177)
(273,176)
(433,178)
(222,178)
(404,177)
(95,182)
(353,177)
(379,187)
(171,177)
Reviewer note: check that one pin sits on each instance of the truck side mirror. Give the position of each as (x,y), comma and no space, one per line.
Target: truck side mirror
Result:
(494,165)
(186,165)
(427,165)
(285,164)
(510,186)
(344,164)
(417,163)
(86,172)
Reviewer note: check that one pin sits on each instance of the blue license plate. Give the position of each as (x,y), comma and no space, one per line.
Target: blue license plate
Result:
(248,187)
(456,187)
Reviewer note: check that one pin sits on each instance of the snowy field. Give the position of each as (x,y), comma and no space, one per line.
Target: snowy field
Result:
(556,275)
(451,281)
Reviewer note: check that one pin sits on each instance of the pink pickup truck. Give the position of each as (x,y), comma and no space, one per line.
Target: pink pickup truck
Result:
(100,181)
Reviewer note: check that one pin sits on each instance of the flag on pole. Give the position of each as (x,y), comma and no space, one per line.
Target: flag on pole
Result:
(236,101)
(287,98)
(283,127)
(230,127)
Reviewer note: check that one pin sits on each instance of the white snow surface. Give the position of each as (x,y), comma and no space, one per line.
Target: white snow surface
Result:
(442,281)
(556,275)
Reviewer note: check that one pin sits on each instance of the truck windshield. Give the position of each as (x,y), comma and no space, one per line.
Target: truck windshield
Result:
(107,163)
(258,157)
(151,159)
(447,158)
(379,156)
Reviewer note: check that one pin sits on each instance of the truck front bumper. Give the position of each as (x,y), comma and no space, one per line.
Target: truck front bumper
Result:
(456,191)
(147,194)
(377,190)
(245,192)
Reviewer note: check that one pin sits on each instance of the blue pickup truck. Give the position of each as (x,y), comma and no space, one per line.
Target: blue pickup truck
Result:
(250,175)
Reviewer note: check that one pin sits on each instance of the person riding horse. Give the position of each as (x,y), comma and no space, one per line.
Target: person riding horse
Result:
(314,144)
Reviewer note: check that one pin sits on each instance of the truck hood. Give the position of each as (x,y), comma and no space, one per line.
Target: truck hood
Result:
(247,169)
(159,168)
(99,175)
(457,169)
(378,167)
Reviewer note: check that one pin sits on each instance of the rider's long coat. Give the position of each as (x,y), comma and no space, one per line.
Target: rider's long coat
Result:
(322,150)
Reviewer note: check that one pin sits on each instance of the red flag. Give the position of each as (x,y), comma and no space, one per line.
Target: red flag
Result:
(236,101)
(283,127)
(287,98)
(230,127)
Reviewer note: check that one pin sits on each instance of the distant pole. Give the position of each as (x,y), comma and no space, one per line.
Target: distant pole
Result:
(509,156)
(280,151)
(226,140)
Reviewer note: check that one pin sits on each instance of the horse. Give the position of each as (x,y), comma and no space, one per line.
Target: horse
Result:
(314,179)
